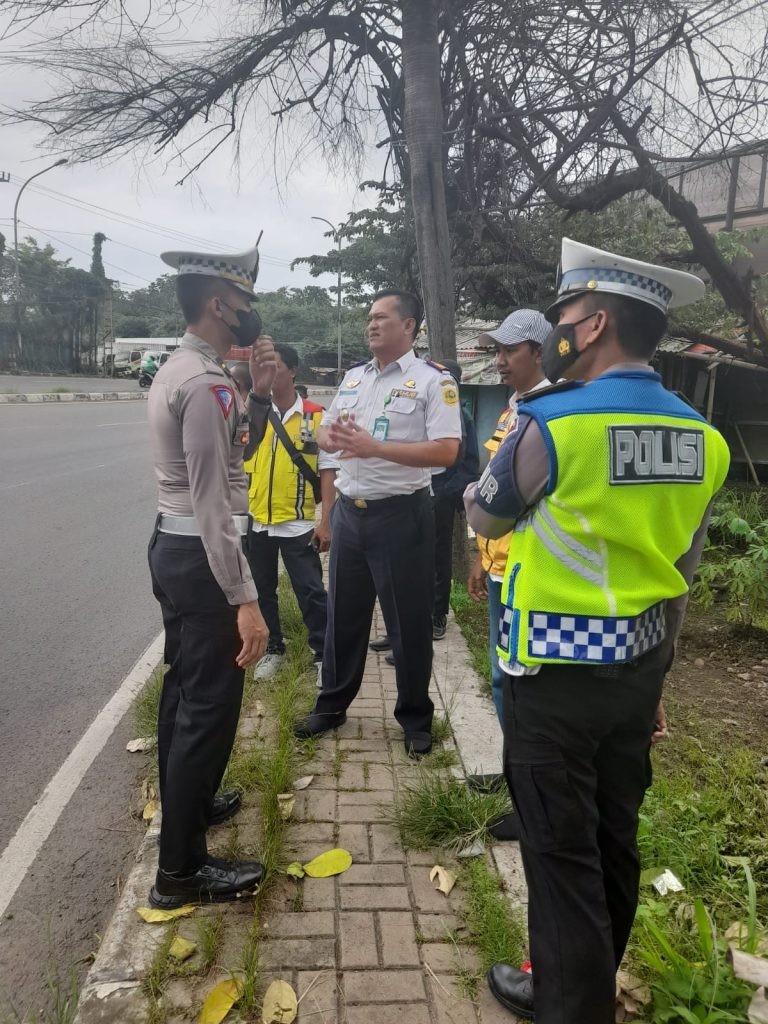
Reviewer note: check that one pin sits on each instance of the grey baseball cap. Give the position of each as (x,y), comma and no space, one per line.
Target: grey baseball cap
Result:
(522,325)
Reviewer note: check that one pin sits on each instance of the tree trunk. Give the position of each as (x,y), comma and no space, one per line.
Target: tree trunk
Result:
(424,139)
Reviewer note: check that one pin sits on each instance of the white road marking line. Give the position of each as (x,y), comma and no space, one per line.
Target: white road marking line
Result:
(22,850)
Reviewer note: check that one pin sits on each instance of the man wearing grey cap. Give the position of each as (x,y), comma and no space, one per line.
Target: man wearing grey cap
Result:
(518,344)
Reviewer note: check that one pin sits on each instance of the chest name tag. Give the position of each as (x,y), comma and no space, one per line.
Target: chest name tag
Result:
(656,454)
(380,428)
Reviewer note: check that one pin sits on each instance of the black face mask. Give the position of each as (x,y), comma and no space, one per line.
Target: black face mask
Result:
(248,326)
(559,349)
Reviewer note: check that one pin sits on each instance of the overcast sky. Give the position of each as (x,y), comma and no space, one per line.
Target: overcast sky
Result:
(216,206)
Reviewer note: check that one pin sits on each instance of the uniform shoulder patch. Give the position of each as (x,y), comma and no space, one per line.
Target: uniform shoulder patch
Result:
(553,389)
(363,362)
(450,395)
(225,397)
(437,366)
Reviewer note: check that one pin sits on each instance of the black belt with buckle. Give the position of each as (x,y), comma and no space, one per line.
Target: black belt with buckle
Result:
(374,504)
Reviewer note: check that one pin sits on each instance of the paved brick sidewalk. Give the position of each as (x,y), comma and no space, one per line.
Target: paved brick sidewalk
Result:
(371,946)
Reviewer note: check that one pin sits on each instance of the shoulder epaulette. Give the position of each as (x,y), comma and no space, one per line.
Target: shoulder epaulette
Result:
(437,366)
(363,362)
(553,389)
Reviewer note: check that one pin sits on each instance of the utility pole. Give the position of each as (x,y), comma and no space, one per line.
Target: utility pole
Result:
(17,276)
(336,232)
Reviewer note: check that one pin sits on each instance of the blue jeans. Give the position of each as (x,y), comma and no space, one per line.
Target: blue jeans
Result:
(499,678)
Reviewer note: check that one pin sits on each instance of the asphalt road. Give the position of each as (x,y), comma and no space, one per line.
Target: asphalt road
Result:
(23,384)
(76,510)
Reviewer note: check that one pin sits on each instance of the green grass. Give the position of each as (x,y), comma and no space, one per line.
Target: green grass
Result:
(209,938)
(157,977)
(497,930)
(147,704)
(250,975)
(63,994)
(472,617)
(441,729)
(444,758)
(437,810)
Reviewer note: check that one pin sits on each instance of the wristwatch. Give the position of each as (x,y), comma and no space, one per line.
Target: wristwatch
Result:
(258,399)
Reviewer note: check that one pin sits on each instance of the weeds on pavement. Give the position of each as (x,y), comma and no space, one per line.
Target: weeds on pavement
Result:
(210,931)
(147,704)
(472,617)
(437,810)
(157,977)
(497,930)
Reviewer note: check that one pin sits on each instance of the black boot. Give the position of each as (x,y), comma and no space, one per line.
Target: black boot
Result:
(315,725)
(224,806)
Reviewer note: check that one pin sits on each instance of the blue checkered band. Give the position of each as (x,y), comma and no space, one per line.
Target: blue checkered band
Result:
(624,281)
(603,641)
(216,268)
(505,629)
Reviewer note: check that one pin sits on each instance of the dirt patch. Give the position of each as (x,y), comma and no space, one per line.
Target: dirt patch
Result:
(718,686)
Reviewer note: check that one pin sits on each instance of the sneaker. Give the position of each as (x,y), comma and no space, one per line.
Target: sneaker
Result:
(439,626)
(319,667)
(268,666)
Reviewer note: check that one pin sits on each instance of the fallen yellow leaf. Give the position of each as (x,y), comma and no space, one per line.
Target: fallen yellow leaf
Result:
(181,948)
(303,782)
(285,802)
(445,880)
(150,810)
(280,1005)
(138,746)
(154,916)
(332,862)
(295,870)
(220,1001)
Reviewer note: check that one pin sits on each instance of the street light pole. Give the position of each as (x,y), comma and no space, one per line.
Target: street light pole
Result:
(17,276)
(337,239)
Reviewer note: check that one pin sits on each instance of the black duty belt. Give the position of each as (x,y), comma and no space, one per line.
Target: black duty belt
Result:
(377,504)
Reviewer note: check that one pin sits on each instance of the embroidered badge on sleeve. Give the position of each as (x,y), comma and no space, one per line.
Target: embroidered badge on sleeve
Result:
(225,397)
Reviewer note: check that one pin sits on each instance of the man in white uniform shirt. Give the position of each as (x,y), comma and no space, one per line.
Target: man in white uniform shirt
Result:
(393,419)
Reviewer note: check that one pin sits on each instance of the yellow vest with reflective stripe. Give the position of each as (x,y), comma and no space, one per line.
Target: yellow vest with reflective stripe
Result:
(590,567)
(277,492)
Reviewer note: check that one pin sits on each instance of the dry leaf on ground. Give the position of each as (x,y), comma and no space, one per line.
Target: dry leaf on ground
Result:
(141,744)
(181,948)
(220,1001)
(445,880)
(303,782)
(154,916)
(148,790)
(280,1005)
(285,801)
(150,810)
(332,862)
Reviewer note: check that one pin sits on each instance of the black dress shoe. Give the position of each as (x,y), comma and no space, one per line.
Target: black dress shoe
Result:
(315,725)
(224,806)
(216,881)
(381,643)
(487,782)
(390,659)
(439,627)
(506,828)
(417,744)
(513,988)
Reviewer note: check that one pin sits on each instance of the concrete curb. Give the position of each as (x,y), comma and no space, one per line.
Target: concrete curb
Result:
(74,396)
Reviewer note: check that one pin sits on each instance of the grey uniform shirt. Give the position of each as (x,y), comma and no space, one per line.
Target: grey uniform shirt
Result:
(199,430)
(531,472)
(419,403)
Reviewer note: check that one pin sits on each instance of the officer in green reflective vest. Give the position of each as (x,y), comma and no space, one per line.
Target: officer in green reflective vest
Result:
(607,482)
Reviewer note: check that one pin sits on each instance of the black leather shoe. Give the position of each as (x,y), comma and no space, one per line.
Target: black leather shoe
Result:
(439,627)
(225,806)
(506,828)
(417,744)
(217,881)
(381,643)
(316,725)
(390,660)
(513,989)
(487,782)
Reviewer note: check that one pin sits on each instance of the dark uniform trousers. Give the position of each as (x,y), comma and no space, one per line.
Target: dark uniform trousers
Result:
(576,759)
(202,693)
(302,563)
(384,550)
(444,510)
